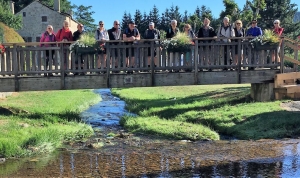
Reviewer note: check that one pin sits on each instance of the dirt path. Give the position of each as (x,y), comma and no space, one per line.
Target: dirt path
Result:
(291,105)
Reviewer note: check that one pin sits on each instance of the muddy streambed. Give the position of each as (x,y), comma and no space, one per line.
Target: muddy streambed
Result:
(114,153)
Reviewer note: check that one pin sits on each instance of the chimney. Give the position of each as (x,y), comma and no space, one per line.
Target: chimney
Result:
(12,7)
(57,5)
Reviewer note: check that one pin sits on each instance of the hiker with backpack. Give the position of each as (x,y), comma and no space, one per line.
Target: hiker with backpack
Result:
(76,36)
(206,31)
(64,35)
(225,32)
(254,31)
(152,33)
(48,36)
(173,30)
(131,35)
(239,31)
(188,55)
(101,35)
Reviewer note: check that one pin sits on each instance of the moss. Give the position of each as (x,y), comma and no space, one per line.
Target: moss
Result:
(9,34)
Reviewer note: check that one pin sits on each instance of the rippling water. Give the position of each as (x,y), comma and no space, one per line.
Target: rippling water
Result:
(134,157)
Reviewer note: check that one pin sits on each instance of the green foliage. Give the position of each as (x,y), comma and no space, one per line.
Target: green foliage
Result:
(197,112)
(8,18)
(9,35)
(179,43)
(83,15)
(39,122)
(230,8)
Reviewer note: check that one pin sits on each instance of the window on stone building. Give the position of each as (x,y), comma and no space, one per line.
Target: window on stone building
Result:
(38,39)
(29,39)
(24,14)
(44,18)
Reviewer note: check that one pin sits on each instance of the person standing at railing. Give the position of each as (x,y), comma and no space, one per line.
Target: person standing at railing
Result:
(65,35)
(76,36)
(206,31)
(152,33)
(278,30)
(188,55)
(238,32)
(226,31)
(254,31)
(101,35)
(131,34)
(48,36)
(115,34)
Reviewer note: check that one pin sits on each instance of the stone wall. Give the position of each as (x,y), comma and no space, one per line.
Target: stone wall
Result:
(33,26)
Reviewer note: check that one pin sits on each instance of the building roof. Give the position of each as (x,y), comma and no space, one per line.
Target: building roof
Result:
(51,8)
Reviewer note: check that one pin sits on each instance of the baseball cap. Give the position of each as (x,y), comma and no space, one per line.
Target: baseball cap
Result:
(132,22)
(151,23)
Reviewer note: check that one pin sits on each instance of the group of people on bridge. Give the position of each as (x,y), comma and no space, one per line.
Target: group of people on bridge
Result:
(131,35)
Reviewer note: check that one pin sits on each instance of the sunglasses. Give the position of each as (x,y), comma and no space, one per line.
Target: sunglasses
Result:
(254,22)
(117,24)
(238,23)
(101,24)
(275,23)
(49,28)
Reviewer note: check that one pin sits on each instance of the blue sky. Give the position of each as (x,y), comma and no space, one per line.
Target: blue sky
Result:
(110,10)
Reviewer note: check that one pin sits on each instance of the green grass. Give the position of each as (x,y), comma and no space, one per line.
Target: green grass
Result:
(36,122)
(205,112)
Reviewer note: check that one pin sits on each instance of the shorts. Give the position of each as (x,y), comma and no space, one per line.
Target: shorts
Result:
(79,57)
(149,52)
(132,52)
(102,52)
(236,50)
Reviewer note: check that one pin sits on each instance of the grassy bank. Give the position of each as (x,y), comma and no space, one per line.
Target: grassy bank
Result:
(206,112)
(35,122)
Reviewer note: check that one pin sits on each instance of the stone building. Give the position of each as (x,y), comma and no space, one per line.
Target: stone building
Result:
(36,17)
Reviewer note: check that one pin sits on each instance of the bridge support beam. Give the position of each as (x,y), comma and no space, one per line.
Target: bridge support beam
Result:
(262,91)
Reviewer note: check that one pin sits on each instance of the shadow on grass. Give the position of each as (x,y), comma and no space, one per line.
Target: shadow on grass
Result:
(229,96)
(52,117)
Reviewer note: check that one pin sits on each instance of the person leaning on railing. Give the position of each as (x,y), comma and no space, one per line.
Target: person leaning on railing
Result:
(226,31)
(152,33)
(64,35)
(254,31)
(278,30)
(115,34)
(48,36)
(238,32)
(206,31)
(131,34)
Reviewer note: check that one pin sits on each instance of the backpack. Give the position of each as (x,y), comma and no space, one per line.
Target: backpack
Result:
(230,28)
(170,30)
(135,31)
(146,34)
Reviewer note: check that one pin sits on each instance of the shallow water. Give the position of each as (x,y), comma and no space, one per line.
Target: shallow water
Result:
(145,157)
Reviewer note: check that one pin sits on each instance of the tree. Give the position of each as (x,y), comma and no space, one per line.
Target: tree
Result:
(155,16)
(125,21)
(8,18)
(65,5)
(205,13)
(230,8)
(83,15)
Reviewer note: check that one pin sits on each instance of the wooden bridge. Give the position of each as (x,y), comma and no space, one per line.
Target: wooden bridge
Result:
(22,67)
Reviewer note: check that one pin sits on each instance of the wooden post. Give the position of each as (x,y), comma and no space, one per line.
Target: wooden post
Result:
(239,60)
(107,46)
(296,57)
(282,55)
(262,91)
(196,62)
(62,67)
(16,67)
(152,63)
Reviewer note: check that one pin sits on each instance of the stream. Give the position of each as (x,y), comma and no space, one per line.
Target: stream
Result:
(128,155)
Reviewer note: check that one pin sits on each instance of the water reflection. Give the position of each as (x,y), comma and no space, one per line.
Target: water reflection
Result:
(193,160)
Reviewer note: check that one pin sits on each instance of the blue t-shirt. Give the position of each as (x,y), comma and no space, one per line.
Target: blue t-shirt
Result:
(256,31)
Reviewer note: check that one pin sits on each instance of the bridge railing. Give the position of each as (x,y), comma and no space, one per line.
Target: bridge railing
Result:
(292,54)
(29,59)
